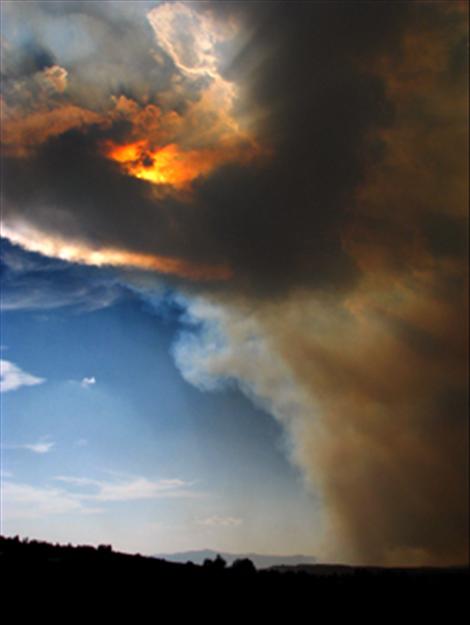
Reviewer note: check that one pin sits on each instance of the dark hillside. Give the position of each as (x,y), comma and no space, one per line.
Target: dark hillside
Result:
(85,570)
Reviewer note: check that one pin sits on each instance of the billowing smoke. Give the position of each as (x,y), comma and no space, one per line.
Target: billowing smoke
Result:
(375,406)
(372,385)
(311,160)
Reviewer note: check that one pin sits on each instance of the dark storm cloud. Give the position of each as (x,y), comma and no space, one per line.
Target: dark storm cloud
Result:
(446,235)
(278,223)
(68,188)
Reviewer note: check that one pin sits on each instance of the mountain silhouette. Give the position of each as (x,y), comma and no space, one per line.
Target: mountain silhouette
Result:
(260,561)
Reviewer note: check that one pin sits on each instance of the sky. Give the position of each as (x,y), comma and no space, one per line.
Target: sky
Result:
(234,259)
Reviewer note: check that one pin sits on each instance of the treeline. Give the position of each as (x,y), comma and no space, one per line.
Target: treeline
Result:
(29,555)
(85,568)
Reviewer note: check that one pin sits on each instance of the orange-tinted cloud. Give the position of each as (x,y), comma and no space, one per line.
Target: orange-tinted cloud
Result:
(171,165)
(167,141)
(20,133)
(78,252)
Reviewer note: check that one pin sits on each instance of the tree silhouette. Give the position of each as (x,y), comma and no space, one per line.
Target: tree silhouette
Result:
(218,564)
(243,566)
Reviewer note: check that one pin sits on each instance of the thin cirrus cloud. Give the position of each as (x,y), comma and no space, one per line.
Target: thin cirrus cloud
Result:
(77,495)
(40,447)
(132,489)
(27,501)
(220,521)
(32,281)
(12,377)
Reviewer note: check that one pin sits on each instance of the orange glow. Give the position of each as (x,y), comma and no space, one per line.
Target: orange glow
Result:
(76,252)
(171,165)
(127,153)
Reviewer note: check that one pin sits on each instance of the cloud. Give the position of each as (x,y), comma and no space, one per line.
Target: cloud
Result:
(78,495)
(13,378)
(87,382)
(35,282)
(35,240)
(24,132)
(280,225)
(21,500)
(128,490)
(56,77)
(43,446)
(220,521)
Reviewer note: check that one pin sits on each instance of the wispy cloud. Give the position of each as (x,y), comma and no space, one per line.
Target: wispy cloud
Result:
(13,378)
(128,489)
(220,521)
(81,495)
(34,282)
(42,446)
(21,500)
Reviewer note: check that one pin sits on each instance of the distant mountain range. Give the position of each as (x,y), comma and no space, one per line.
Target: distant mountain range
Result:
(260,561)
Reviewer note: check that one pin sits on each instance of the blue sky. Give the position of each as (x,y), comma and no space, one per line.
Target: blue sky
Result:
(108,410)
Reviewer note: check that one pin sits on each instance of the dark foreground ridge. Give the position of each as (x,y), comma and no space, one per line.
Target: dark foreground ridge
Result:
(24,561)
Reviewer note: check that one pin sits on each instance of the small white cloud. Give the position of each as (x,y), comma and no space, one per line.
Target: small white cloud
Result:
(41,447)
(220,521)
(87,382)
(54,77)
(81,442)
(13,378)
